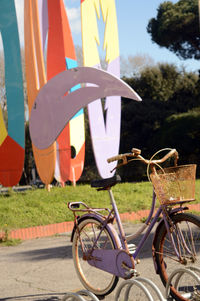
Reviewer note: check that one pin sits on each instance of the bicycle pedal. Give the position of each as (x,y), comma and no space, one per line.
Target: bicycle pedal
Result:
(131,248)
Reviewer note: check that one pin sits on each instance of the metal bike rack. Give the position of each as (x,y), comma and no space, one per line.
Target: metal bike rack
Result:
(195,269)
(141,283)
(78,296)
(178,274)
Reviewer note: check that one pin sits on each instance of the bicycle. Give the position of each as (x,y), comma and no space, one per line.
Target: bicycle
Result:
(97,245)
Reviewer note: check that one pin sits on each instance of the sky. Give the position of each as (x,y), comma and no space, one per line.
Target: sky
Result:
(133,17)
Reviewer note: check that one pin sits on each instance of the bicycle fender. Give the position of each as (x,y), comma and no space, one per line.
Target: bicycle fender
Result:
(109,227)
(161,222)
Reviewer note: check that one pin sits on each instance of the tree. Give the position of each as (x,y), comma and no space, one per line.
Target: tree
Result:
(79,55)
(176,27)
(181,131)
(170,102)
(161,81)
(133,65)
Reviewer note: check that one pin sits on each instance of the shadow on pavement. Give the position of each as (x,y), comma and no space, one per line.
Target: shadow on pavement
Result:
(65,251)
(45,254)
(37,297)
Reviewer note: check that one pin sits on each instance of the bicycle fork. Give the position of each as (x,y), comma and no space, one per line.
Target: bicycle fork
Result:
(182,247)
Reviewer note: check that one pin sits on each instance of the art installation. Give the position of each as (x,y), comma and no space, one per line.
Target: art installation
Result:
(11,140)
(36,78)
(53,109)
(50,18)
(105,135)
(61,56)
(56,97)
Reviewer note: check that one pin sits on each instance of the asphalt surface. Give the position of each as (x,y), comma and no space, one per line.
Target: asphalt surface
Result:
(42,269)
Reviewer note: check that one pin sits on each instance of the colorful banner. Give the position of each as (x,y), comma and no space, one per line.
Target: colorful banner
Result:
(105,135)
(35,76)
(11,140)
(61,56)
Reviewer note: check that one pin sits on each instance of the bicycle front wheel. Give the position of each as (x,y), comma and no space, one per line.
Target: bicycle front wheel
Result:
(95,280)
(186,237)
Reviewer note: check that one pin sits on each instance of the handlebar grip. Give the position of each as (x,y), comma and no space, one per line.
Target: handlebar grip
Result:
(115,158)
(171,153)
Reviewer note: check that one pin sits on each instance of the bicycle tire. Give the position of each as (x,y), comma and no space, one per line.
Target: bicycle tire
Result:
(165,255)
(95,280)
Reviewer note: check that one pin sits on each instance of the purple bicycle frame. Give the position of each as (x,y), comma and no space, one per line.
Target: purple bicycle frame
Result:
(112,260)
(149,224)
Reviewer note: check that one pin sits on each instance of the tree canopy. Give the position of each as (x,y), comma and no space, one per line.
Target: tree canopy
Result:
(168,116)
(176,27)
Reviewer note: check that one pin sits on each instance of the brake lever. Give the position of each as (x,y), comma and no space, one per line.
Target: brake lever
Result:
(125,161)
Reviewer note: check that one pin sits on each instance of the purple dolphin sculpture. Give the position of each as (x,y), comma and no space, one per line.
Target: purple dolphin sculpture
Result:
(53,109)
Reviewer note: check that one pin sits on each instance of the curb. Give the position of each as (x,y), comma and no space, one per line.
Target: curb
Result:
(53,229)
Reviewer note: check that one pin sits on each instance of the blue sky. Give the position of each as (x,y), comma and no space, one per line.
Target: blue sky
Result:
(133,17)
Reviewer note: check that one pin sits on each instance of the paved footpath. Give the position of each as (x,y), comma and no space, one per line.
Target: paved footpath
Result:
(42,269)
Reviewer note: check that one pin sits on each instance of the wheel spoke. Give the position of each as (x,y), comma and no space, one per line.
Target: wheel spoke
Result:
(186,237)
(92,235)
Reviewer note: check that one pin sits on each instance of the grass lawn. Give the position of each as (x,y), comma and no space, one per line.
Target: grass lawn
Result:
(40,207)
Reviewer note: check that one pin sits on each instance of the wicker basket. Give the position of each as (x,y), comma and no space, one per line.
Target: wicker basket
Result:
(175,184)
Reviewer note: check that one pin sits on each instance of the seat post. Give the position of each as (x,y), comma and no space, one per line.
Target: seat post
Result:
(118,220)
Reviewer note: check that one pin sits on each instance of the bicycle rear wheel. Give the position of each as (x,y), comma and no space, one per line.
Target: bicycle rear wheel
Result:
(186,236)
(95,280)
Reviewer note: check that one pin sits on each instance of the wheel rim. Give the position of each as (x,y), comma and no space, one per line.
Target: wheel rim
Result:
(95,280)
(190,251)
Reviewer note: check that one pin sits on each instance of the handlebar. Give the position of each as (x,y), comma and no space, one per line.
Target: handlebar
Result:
(136,154)
(119,157)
